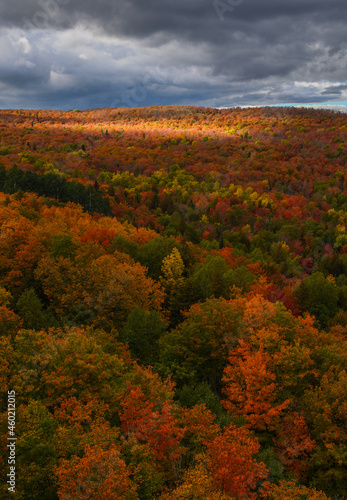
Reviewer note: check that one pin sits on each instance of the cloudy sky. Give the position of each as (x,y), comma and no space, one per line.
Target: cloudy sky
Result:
(67,54)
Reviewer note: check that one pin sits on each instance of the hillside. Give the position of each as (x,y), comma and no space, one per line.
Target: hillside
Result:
(173,303)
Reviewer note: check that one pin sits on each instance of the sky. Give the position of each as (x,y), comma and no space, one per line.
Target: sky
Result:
(82,54)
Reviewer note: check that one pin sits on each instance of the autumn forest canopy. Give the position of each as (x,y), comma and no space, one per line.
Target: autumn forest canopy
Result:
(173,303)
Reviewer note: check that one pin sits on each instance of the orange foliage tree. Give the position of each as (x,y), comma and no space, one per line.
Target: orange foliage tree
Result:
(251,389)
(99,474)
(294,444)
(155,426)
(232,466)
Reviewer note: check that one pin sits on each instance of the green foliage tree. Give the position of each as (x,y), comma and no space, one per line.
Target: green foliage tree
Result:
(142,332)
(214,277)
(36,450)
(30,309)
(63,246)
(197,350)
(153,253)
(318,296)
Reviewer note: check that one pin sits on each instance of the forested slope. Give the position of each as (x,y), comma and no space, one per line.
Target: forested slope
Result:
(173,303)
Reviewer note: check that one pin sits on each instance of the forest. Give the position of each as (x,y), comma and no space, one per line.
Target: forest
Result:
(173,303)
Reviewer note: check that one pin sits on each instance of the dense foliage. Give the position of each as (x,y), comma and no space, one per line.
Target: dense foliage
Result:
(173,303)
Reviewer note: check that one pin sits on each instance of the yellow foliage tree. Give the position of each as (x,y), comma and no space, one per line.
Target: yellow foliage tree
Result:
(290,490)
(172,271)
(197,485)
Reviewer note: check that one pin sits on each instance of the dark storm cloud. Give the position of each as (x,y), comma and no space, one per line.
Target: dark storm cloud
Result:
(139,18)
(335,90)
(209,52)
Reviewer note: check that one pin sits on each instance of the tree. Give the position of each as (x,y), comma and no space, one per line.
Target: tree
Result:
(250,387)
(107,287)
(290,490)
(142,332)
(140,460)
(83,423)
(172,271)
(197,484)
(9,321)
(100,474)
(157,427)
(318,296)
(326,414)
(30,309)
(173,282)
(197,350)
(152,254)
(294,444)
(63,246)
(242,278)
(19,253)
(190,292)
(214,277)
(232,466)
(195,394)
(36,449)
(56,365)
